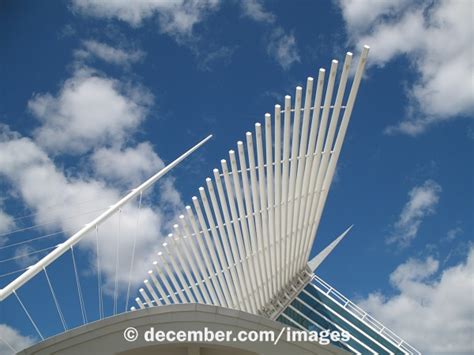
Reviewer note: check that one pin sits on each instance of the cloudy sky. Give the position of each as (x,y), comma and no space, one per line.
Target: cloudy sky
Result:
(98,95)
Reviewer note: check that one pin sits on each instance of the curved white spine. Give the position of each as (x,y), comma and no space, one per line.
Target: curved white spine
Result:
(145,297)
(328,143)
(253,263)
(340,137)
(234,253)
(248,247)
(319,146)
(164,298)
(233,231)
(193,258)
(163,292)
(310,157)
(194,255)
(168,290)
(179,272)
(140,303)
(261,255)
(227,268)
(152,292)
(301,165)
(204,252)
(182,242)
(251,222)
(292,182)
(157,286)
(172,277)
(182,267)
(271,202)
(263,206)
(277,187)
(284,207)
(222,239)
(224,275)
(250,283)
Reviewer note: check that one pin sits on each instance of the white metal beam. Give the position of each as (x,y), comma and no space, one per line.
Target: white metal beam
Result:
(338,145)
(314,263)
(295,140)
(259,224)
(75,238)
(284,198)
(246,227)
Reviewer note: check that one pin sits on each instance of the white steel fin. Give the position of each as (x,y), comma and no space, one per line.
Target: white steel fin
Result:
(247,240)
(314,263)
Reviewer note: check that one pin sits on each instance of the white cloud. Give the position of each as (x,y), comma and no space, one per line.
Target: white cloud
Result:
(170,196)
(103,51)
(254,9)
(128,166)
(176,18)
(25,255)
(209,57)
(94,116)
(282,48)
(6,224)
(280,45)
(360,15)
(11,341)
(422,202)
(454,233)
(431,310)
(437,40)
(37,180)
(89,111)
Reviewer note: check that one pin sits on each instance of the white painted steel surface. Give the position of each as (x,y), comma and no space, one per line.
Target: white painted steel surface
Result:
(247,240)
(61,248)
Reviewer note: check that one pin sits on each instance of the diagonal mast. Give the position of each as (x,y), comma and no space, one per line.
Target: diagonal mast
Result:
(75,238)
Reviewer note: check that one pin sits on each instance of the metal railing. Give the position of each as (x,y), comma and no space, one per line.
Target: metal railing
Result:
(362,315)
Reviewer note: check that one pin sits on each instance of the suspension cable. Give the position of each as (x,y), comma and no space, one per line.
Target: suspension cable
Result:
(14,272)
(8,345)
(28,314)
(58,308)
(27,254)
(52,208)
(50,222)
(36,238)
(79,289)
(99,274)
(133,251)
(117,247)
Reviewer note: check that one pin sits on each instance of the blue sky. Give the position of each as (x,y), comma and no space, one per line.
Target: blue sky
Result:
(171,73)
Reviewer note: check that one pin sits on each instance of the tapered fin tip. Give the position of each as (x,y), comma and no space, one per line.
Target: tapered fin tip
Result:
(314,263)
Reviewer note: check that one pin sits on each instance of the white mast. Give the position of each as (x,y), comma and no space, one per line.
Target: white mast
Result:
(75,238)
